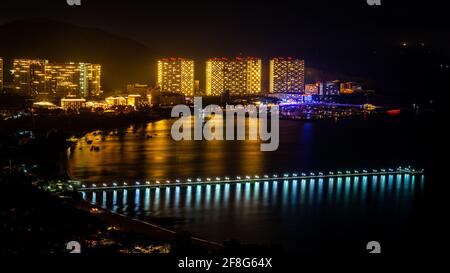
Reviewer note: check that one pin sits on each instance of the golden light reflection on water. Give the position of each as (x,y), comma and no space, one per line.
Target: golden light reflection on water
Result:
(148,152)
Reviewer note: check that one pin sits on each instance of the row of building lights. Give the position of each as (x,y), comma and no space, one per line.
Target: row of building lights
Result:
(274,176)
(236,75)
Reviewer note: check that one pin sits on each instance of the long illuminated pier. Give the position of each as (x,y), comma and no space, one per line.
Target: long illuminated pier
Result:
(244,179)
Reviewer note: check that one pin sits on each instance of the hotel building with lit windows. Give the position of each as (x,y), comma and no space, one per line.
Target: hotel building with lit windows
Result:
(73,79)
(287,75)
(29,76)
(74,104)
(90,80)
(176,75)
(239,76)
(62,79)
(39,78)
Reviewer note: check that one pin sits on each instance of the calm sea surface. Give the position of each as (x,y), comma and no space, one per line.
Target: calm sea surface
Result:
(301,215)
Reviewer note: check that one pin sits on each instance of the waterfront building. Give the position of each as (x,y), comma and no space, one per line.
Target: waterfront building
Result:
(287,75)
(312,89)
(143,90)
(350,87)
(332,87)
(73,104)
(41,79)
(135,100)
(29,76)
(176,75)
(116,101)
(137,88)
(44,105)
(96,105)
(239,76)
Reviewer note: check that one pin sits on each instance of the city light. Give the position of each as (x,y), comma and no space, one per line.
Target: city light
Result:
(39,78)
(287,176)
(123,127)
(239,76)
(287,75)
(176,75)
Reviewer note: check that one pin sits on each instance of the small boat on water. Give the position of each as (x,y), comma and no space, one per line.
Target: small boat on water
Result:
(94,148)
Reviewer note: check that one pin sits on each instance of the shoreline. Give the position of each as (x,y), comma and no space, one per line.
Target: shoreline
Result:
(129,224)
(60,171)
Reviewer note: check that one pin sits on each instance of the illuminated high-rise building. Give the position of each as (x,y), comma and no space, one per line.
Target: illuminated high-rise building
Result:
(29,76)
(63,79)
(176,75)
(1,73)
(215,81)
(239,76)
(287,75)
(90,80)
(73,79)
(56,80)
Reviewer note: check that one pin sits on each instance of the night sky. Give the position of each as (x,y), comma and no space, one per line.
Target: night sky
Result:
(247,27)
